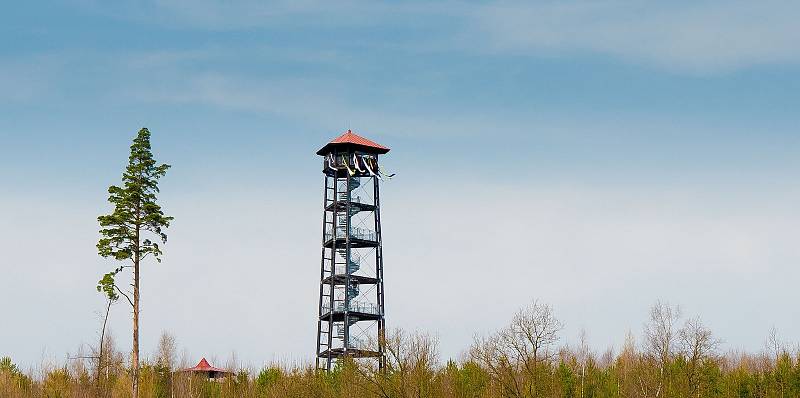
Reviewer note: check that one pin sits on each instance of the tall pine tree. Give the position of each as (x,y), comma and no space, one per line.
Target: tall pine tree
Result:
(127,231)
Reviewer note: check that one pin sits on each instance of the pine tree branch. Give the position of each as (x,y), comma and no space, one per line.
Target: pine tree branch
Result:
(125,295)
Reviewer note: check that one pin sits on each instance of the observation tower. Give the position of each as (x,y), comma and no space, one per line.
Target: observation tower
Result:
(351,313)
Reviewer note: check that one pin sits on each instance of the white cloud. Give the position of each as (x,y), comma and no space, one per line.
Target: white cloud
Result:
(25,79)
(226,16)
(693,36)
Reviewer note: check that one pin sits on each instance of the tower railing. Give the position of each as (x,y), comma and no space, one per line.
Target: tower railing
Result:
(353,199)
(355,233)
(355,306)
(361,344)
(340,269)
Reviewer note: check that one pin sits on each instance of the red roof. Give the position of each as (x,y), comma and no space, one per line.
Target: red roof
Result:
(350,138)
(204,366)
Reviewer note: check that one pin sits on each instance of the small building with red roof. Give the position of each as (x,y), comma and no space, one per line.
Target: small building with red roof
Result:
(205,369)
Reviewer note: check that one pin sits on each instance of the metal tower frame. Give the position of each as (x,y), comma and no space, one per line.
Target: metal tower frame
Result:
(344,248)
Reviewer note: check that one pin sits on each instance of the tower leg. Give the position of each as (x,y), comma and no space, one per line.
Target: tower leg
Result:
(379,275)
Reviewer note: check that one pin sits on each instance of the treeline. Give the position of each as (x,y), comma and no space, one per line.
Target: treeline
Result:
(675,357)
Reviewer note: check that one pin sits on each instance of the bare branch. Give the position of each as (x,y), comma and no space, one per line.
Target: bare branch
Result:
(123,294)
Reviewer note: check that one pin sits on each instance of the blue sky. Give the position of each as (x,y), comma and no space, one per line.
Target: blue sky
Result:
(630,151)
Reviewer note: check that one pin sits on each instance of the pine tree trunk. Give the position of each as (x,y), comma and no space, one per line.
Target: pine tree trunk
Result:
(135,355)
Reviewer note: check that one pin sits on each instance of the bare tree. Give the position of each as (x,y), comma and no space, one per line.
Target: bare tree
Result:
(775,346)
(166,353)
(410,363)
(97,355)
(165,357)
(113,363)
(697,344)
(488,353)
(626,361)
(660,338)
(513,355)
(101,354)
(583,356)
